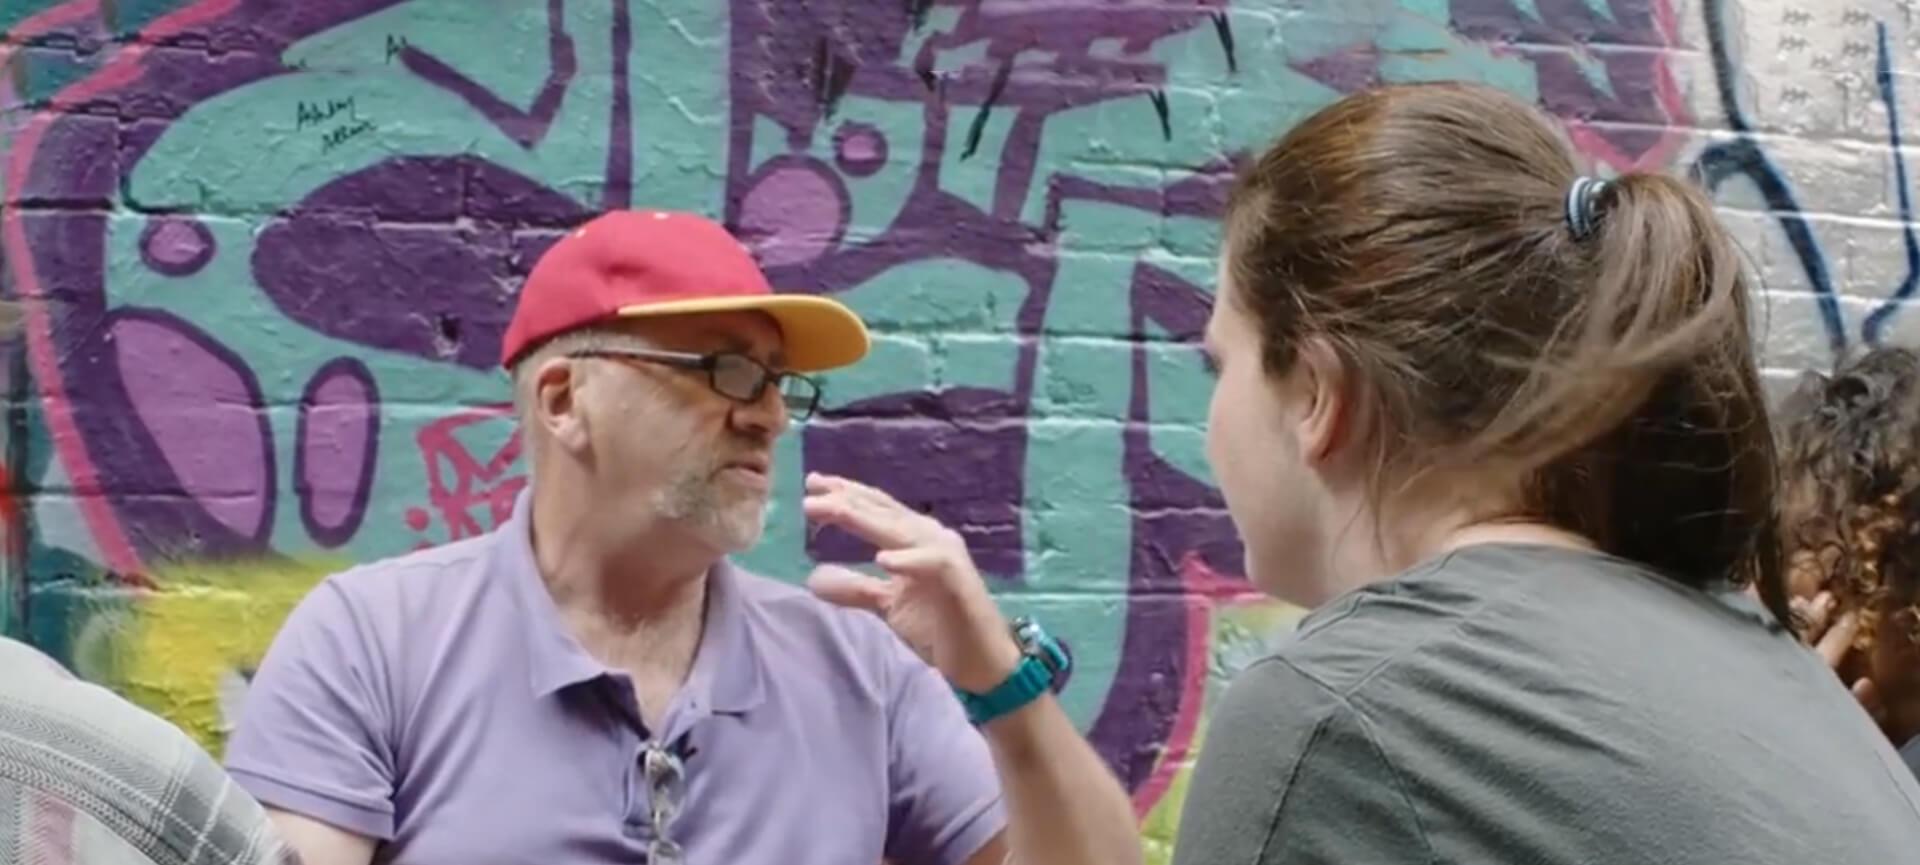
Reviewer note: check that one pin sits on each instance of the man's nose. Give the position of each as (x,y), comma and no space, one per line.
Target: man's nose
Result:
(766,417)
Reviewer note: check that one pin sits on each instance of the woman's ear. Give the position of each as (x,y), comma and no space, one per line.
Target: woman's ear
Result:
(1323,386)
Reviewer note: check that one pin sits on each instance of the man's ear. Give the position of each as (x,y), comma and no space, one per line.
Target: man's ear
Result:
(1325,392)
(557,406)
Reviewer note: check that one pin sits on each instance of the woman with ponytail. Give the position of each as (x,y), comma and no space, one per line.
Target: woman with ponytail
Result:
(1500,427)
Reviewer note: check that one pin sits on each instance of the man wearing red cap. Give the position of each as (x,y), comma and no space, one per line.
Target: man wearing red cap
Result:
(595,682)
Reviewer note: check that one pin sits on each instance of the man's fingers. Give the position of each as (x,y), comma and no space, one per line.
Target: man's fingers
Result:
(1835,643)
(850,588)
(873,515)
(856,491)
(921,561)
(818,482)
(883,527)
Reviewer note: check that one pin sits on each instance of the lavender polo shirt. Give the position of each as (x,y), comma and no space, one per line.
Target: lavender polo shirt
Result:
(433,701)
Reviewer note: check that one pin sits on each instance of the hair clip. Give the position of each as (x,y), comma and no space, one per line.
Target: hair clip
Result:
(1583,206)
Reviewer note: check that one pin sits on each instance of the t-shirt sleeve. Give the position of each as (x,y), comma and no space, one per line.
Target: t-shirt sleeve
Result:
(1910,754)
(945,800)
(1290,774)
(313,736)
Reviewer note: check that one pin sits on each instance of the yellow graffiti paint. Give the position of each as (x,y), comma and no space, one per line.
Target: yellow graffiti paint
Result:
(1242,631)
(185,645)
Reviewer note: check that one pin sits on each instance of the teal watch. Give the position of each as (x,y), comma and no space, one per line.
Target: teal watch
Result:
(1043,665)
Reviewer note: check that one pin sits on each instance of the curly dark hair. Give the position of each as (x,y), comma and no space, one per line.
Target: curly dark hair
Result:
(1850,486)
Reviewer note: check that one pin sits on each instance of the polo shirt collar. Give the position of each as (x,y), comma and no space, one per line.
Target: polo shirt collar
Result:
(727,674)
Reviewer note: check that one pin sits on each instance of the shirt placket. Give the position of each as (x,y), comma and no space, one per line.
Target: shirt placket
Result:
(636,740)
(630,733)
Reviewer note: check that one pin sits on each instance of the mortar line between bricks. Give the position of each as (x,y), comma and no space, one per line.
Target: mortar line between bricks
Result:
(1818,217)
(92,207)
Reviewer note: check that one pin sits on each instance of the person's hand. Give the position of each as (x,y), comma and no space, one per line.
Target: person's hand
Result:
(1832,638)
(932,596)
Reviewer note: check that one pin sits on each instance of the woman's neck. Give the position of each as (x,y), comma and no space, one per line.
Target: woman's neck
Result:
(1374,551)
(1509,532)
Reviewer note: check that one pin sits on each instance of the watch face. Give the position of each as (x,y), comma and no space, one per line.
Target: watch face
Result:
(1027,633)
(1035,643)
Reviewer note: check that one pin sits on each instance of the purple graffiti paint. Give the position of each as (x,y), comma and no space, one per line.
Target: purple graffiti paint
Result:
(931,225)
(1141,707)
(794,211)
(859,149)
(69,260)
(420,254)
(203,409)
(617,191)
(1174,516)
(335,446)
(526,127)
(428,291)
(402,189)
(176,245)
(81,154)
(1635,106)
(431,290)
(951,455)
(1345,70)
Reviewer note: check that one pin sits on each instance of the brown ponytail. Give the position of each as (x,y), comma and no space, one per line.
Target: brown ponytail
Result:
(1605,376)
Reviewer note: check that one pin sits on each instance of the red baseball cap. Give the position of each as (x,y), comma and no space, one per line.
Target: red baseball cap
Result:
(642,263)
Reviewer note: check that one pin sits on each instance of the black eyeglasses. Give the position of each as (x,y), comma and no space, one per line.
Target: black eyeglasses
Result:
(733,375)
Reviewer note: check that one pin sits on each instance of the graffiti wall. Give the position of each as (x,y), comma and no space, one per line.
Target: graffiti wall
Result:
(268,251)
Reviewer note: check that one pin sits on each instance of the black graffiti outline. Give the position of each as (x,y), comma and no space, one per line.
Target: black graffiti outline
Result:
(1877,320)
(1744,156)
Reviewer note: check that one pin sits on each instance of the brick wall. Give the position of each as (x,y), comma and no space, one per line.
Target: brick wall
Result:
(269,249)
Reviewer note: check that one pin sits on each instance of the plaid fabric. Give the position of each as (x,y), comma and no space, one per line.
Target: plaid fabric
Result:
(87,777)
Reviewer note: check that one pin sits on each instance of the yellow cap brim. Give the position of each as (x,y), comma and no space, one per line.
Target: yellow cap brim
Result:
(821,333)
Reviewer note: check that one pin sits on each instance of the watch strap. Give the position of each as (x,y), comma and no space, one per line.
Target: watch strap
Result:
(1042,662)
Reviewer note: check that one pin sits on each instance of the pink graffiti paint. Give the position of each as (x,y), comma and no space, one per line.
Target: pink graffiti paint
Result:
(1590,139)
(460,481)
(42,352)
(1206,588)
(44,21)
(1154,704)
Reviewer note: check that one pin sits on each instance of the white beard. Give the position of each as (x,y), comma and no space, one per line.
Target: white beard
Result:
(730,520)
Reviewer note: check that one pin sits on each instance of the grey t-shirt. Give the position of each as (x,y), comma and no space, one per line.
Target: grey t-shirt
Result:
(1531,704)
